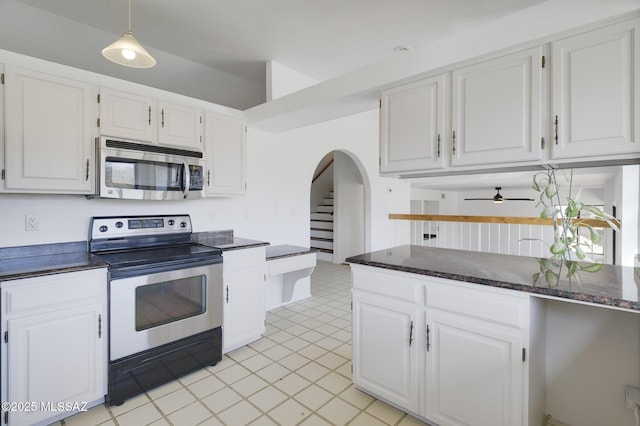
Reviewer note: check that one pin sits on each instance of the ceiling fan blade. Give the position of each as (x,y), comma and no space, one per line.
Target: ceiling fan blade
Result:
(478,199)
(518,199)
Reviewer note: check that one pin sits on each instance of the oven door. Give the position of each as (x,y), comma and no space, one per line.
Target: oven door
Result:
(154,309)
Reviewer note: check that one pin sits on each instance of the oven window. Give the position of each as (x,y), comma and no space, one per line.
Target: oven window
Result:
(143,174)
(165,302)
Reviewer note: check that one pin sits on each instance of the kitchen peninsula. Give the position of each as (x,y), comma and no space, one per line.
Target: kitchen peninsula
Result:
(459,337)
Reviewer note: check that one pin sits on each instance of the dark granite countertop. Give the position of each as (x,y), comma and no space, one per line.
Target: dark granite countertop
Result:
(614,286)
(225,240)
(285,250)
(46,259)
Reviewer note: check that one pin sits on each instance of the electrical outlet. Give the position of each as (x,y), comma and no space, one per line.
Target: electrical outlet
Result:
(632,396)
(31,222)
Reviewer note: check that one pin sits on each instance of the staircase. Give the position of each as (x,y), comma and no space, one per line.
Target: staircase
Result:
(322,229)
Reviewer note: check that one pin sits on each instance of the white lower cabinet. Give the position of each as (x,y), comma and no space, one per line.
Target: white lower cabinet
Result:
(244,293)
(54,358)
(447,352)
(385,351)
(475,372)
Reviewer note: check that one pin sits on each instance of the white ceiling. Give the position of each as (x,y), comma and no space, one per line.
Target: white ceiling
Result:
(320,38)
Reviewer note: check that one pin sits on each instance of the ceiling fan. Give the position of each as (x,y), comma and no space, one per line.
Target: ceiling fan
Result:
(498,198)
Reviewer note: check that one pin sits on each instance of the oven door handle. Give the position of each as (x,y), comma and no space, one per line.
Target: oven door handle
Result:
(187,179)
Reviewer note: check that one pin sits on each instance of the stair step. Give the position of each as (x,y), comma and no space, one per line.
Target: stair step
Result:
(321,225)
(324,209)
(328,201)
(323,243)
(321,250)
(327,217)
(322,233)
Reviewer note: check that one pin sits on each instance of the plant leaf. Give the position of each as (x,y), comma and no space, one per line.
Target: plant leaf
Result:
(558,248)
(551,277)
(592,267)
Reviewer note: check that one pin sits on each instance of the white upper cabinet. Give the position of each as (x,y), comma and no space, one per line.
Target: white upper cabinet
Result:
(50,126)
(596,92)
(180,126)
(225,154)
(140,118)
(496,111)
(412,125)
(125,115)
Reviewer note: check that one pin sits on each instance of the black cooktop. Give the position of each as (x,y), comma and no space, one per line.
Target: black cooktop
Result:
(159,255)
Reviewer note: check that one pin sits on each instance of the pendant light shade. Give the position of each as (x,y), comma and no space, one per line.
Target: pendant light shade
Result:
(128,51)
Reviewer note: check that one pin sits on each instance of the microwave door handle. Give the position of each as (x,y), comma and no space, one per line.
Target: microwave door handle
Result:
(187,179)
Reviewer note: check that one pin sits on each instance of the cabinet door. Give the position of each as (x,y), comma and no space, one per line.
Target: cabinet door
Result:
(412,125)
(225,150)
(474,372)
(125,115)
(385,349)
(180,126)
(496,112)
(50,125)
(56,357)
(244,307)
(596,92)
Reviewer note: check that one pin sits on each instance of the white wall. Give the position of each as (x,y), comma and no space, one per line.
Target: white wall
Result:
(349,213)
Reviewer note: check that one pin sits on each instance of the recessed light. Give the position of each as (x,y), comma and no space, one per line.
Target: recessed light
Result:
(401,48)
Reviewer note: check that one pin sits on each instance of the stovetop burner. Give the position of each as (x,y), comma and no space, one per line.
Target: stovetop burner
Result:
(146,241)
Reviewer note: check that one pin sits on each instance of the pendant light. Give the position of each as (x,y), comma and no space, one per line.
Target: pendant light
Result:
(128,51)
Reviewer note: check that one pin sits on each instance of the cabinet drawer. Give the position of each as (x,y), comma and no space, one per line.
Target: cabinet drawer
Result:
(490,304)
(290,264)
(394,284)
(51,292)
(240,259)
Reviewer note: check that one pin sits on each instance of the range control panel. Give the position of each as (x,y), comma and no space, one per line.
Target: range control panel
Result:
(130,226)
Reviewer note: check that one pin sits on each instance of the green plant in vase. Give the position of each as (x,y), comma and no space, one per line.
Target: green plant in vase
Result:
(567,221)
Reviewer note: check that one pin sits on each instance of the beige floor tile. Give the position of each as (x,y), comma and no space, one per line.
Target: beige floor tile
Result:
(263,421)
(364,419)
(331,360)
(338,411)
(175,400)
(206,386)
(221,400)
(242,413)
(334,382)
(262,344)
(233,374)
(294,361)
(141,415)
(94,416)
(295,344)
(277,352)
(289,413)
(190,415)
(315,420)
(313,397)
(312,371)
(268,398)
(249,385)
(256,362)
(356,397)
(292,384)
(411,421)
(273,372)
(384,412)
(242,353)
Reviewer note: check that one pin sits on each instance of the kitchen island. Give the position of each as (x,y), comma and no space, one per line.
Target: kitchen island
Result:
(457,337)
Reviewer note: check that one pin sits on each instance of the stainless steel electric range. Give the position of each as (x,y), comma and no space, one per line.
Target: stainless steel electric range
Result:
(165,300)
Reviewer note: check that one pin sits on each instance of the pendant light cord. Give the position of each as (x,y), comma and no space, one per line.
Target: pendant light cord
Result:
(129,15)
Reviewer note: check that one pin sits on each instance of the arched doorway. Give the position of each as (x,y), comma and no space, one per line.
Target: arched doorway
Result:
(339,207)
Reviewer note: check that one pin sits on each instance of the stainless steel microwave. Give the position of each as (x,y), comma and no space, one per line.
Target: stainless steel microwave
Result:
(139,171)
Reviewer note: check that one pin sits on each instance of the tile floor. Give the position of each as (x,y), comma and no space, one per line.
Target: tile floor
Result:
(298,373)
